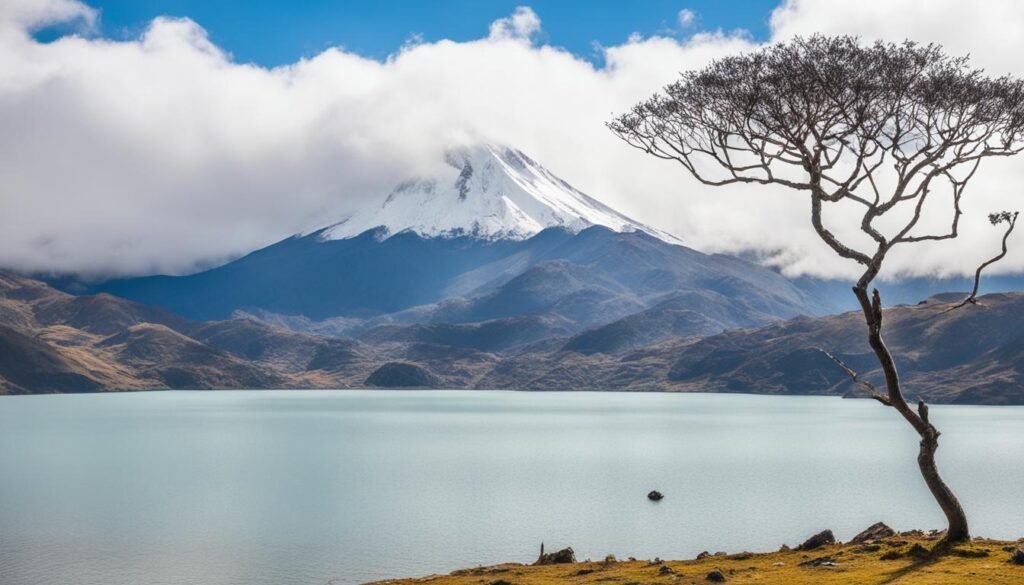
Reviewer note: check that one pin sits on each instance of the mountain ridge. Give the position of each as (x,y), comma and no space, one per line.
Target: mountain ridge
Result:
(461,278)
(946,356)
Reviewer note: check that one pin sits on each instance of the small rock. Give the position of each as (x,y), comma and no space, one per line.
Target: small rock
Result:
(784,548)
(868,548)
(823,538)
(715,576)
(562,557)
(741,556)
(703,555)
(721,554)
(655,496)
(632,559)
(1017,558)
(820,562)
(665,570)
(779,564)
(609,559)
(892,555)
(876,531)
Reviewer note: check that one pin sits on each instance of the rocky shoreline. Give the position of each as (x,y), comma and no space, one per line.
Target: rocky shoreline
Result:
(875,556)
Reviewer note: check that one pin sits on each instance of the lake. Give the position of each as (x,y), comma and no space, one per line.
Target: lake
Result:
(315,487)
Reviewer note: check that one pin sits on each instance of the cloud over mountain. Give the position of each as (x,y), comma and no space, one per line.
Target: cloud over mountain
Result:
(161,152)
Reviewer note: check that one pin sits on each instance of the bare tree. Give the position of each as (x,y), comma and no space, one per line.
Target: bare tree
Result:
(894,130)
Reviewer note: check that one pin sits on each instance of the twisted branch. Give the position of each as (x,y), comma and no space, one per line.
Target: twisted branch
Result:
(996,218)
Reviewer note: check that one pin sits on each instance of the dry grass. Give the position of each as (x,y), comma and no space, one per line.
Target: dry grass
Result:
(854,564)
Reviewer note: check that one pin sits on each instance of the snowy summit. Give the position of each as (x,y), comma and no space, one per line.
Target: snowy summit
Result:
(498,193)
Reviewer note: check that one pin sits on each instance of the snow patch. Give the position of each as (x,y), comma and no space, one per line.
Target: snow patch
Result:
(498,193)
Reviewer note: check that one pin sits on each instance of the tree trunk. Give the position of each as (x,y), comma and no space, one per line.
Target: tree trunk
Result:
(957,530)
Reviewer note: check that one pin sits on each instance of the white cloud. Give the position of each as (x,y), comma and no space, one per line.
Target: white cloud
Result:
(991,32)
(29,14)
(522,24)
(687,18)
(161,152)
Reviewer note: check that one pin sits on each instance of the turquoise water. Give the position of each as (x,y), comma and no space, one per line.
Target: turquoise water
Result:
(268,487)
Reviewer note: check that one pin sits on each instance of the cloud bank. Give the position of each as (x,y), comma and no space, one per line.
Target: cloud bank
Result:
(162,154)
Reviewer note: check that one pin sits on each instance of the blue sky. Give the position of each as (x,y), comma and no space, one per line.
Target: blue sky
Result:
(275,32)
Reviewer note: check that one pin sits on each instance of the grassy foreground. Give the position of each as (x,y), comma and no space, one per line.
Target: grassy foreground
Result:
(897,559)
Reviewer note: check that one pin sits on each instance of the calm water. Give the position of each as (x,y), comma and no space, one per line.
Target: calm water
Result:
(279,488)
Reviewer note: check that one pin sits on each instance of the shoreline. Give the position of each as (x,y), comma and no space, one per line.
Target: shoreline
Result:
(413,390)
(904,558)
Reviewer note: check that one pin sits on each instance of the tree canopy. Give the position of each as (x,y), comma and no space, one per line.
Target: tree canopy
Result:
(879,125)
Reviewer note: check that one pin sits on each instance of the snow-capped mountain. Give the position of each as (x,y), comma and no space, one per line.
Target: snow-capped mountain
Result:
(496,192)
(500,237)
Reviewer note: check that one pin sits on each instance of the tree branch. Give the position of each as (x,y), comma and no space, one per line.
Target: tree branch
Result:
(856,378)
(996,218)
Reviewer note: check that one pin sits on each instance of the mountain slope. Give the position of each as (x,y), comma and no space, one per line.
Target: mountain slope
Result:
(284,350)
(360,277)
(589,278)
(55,342)
(599,275)
(973,354)
(173,360)
(494,335)
(28,364)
